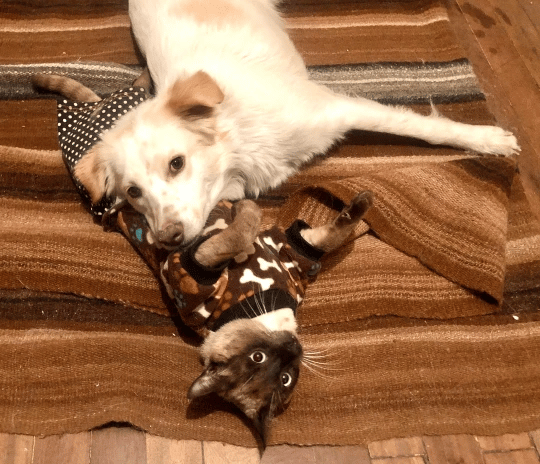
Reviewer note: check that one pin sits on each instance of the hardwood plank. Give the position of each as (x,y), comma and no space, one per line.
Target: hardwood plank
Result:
(399,460)
(66,449)
(505,442)
(535,436)
(16,449)
(522,32)
(453,448)
(115,445)
(512,457)
(340,454)
(286,454)
(221,453)
(413,446)
(499,67)
(532,8)
(161,450)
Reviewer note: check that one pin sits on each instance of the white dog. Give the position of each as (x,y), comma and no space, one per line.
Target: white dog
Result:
(234,114)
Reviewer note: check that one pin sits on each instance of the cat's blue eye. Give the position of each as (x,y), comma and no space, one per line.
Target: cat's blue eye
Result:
(258,357)
(286,379)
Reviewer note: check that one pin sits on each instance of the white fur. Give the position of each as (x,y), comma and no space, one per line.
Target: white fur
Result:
(281,319)
(272,118)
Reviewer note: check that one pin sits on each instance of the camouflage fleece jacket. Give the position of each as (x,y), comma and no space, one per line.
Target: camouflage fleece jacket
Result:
(274,276)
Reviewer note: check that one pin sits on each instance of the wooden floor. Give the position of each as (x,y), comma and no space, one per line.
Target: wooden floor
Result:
(124,445)
(502,40)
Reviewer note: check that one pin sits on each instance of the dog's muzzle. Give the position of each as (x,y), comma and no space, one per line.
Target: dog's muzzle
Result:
(172,235)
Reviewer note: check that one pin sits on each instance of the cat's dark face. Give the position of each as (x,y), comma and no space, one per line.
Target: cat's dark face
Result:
(251,367)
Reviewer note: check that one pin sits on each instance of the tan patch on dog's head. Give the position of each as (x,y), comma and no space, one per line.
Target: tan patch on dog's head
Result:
(195,99)
(208,11)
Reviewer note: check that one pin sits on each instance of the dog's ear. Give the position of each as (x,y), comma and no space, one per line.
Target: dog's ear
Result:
(91,171)
(195,97)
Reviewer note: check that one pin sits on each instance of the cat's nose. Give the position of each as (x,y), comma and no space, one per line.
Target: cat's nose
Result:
(293,345)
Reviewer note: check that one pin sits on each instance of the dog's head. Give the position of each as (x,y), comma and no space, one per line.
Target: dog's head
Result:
(167,158)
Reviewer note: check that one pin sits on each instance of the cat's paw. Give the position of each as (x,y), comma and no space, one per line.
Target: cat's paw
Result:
(357,208)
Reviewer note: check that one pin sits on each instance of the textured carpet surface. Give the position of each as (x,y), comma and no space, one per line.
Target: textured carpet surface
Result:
(426,324)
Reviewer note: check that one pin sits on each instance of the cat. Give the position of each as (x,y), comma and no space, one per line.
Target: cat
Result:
(253,361)
(251,353)
(240,290)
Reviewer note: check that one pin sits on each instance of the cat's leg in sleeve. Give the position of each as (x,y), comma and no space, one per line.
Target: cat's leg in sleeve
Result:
(330,236)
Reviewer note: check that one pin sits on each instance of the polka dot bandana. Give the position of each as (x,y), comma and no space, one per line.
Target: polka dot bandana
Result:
(80,125)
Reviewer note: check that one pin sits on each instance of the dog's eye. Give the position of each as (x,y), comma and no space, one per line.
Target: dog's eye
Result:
(134,192)
(176,164)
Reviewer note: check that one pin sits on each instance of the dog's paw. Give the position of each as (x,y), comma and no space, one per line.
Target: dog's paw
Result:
(493,140)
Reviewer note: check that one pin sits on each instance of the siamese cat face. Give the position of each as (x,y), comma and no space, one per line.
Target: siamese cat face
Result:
(251,367)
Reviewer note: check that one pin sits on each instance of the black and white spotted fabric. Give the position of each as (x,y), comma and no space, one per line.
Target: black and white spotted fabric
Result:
(80,125)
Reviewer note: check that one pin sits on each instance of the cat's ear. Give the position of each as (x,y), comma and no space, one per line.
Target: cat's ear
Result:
(208,382)
(261,422)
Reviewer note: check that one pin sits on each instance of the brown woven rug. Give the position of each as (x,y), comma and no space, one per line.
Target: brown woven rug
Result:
(426,324)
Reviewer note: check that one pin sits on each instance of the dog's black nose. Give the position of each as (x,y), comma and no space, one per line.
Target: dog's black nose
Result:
(171,235)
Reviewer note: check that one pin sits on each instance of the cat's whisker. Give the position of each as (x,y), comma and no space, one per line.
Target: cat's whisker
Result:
(316,373)
(274,302)
(316,356)
(245,309)
(334,354)
(325,373)
(319,365)
(325,368)
(319,360)
(250,307)
(327,358)
(260,304)
(254,311)
(246,382)
(320,352)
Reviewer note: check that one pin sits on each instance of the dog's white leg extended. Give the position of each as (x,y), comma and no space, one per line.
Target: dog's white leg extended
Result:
(339,114)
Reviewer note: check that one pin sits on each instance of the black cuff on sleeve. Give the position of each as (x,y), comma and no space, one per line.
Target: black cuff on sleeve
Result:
(203,275)
(298,242)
